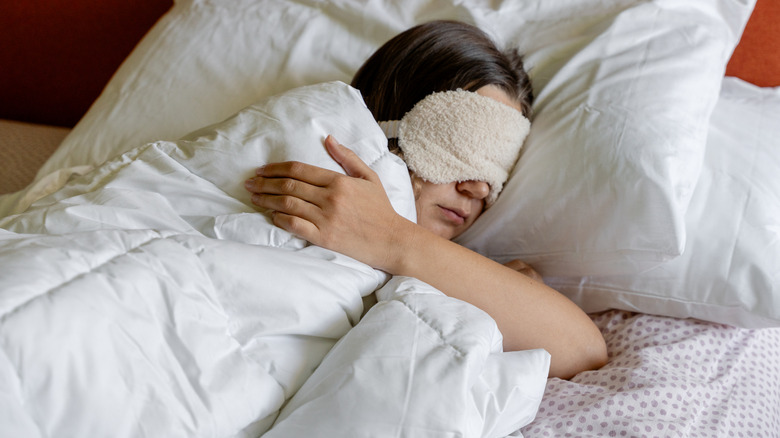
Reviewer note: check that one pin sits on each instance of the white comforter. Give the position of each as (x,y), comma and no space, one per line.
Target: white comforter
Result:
(148,298)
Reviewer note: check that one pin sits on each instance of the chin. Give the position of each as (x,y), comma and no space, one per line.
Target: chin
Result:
(443,232)
(450,234)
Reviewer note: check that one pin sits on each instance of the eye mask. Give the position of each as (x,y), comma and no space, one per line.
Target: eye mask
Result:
(460,136)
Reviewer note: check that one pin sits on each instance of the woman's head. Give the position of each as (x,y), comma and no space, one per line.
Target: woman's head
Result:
(427,63)
(438,56)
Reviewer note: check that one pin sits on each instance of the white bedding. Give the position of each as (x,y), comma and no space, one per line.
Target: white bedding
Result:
(144,299)
(205,332)
(625,91)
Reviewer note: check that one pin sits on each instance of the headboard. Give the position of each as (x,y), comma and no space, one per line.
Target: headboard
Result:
(57,56)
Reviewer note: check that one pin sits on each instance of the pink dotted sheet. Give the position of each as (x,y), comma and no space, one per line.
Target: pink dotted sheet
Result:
(669,377)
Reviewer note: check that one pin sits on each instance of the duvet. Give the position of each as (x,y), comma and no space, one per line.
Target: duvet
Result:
(148,298)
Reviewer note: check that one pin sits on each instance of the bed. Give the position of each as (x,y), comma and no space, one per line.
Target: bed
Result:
(142,295)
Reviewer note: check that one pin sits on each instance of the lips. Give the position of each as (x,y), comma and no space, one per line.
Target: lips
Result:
(454,215)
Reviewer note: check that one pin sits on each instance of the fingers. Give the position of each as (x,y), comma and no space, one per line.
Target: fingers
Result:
(295,225)
(281,186)
(285,204)
(525,269)
(351,163)
(290,213)
(295,170)
(318,204)
(349,160)
(301,180)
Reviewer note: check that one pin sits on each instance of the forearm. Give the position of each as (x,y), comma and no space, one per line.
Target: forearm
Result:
(528,313)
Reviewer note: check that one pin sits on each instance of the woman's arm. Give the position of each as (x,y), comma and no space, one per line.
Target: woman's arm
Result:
(352,215)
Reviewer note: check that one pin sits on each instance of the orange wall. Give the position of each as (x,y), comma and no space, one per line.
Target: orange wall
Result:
(757,57)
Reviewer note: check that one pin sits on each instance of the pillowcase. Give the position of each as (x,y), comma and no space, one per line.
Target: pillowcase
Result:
(730,269)
(624,90)
(624,95)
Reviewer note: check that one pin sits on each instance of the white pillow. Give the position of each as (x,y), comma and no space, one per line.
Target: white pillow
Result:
(624,94)
(624,90)
(730,269)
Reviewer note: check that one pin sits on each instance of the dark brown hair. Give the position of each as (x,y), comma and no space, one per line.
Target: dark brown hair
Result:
(438,56)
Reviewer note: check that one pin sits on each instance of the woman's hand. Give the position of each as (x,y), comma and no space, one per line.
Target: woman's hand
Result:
(350,214)
(525,269)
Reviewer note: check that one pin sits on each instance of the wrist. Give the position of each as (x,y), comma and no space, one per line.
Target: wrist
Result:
(398,244)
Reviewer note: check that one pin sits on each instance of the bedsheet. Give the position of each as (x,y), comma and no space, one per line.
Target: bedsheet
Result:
(144,299)
(669,377)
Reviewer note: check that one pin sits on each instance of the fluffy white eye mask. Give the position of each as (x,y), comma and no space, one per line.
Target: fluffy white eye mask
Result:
(461,136)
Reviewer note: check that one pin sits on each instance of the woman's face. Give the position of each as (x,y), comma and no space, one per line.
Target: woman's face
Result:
(449,209)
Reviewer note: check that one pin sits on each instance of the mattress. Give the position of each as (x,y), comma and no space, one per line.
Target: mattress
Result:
(25,146)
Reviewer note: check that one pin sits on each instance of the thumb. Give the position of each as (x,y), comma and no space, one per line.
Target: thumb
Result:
(349,161)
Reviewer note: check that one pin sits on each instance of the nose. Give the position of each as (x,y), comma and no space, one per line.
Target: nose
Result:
(474,189)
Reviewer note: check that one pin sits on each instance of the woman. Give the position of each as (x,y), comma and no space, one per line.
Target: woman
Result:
(351,214)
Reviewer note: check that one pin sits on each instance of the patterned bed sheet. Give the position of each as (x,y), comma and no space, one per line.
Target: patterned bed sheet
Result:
(669,377)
